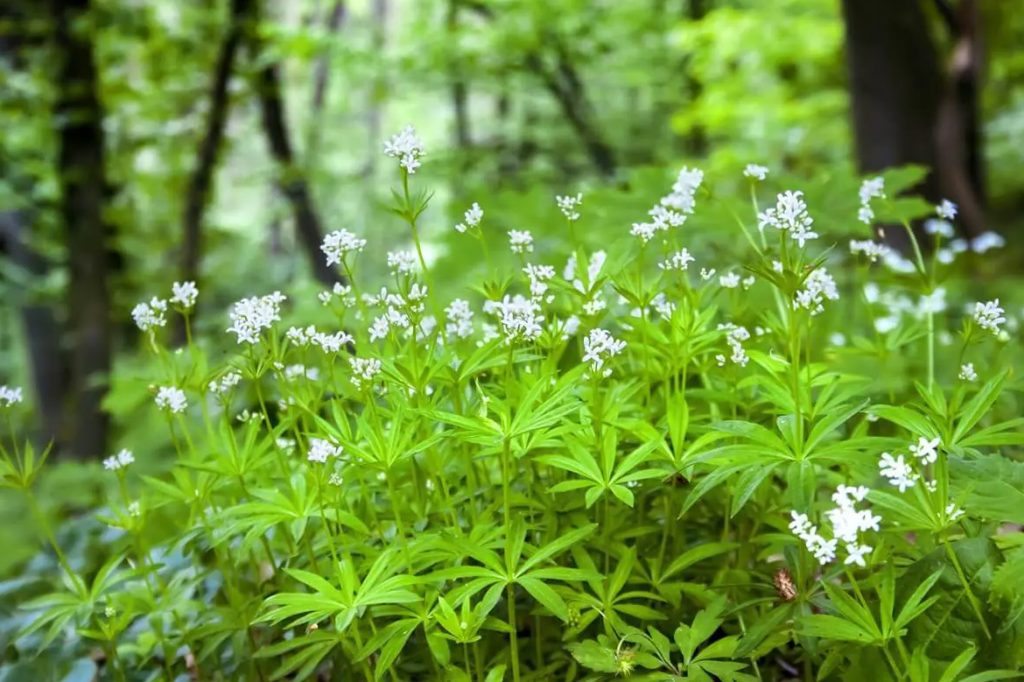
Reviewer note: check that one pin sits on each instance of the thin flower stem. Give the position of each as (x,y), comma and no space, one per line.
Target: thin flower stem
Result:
(967,587)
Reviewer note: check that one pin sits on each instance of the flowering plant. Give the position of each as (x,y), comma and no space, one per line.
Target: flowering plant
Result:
(591,465)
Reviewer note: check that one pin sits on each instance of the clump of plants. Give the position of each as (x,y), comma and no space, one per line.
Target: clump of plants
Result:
(645,461)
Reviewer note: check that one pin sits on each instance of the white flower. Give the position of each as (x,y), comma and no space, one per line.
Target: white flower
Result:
(789,215)
(986,241)
(150,315)
(706,274)
(926,450)
(946,209)
(679,260)
(171,399)
(755,171)
(897,471)
(10,395)
(338,244)
(227,381)
(332,343)
(871,188)
(184,294)
(967,372)
(873,250)
(363,371)
(777,266)
(320,450)
(519,317)
(520,241)
(539,276)
(341,291)
(406,147)
(734,337)
(459,319)
(119,461)
(818,287)
(855,554)
(598,347)
(847,523)
(729,280)
(953,512)
(939,227)
(989,315)
(673,208)
(471,217)
(568,205)
(250,316)
(402,262)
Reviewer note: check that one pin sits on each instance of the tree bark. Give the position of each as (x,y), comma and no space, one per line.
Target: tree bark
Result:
(82,179)
(291,178)
(197,195)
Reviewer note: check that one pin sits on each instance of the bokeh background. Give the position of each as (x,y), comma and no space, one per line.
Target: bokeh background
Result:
(148,141)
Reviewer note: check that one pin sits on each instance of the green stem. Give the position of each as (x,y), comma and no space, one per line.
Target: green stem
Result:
(967,587)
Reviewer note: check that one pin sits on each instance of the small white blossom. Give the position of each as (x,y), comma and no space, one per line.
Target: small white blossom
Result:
(987,241)
(672,209)
(539,276)
(364,370)
(679,261)
(598,347)
(967,372)
(939,227)
(227,381)
(471,218)
(459,319)
(734,337)
(818,287)
(568,205)
(406,147)
(340,243)
(706,274)
(402,262)
(897,471)
(520,241)
(755,171)
(873,250)
(119,461)
(519,317)
(872,188)
(320,450)
(250,316)
(946,209)
(171,399)
(184,294)
(730,280)
(953,512)
(150,315)
(10,395)
(989,315)
(789,215)
(926,450)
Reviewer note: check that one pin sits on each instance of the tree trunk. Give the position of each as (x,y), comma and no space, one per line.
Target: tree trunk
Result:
(291,178)
(82,180)
(197,195)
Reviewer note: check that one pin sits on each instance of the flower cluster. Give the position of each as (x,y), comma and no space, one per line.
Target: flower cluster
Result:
(402,262)
(519,317)
(459,318)
(847,523)
(900,472)
(310,336)
(406,147)
(679,261)
(364,371)
(471,218)
(871,188)
(600,346)
(569,206)
(755,171)
(673,208)
(250,316)
(119,461)
(340,243)
(946,210)
(967,372)
(184,295)
(520,241)
(789,215)
(227,381)
(818,287)
(342,292)
(171,399)
(989,315)
(10,395)
(150,315)
(320,450)
(871,249)
(734,337)
(539,276)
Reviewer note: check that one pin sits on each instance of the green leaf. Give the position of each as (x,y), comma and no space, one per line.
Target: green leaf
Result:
(593,656)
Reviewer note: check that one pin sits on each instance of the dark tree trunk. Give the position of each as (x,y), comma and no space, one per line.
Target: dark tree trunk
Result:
(378,85)
(895,85)
(42,331)
(321,76)
(197,195)
(291,178)
(459,91)
(82,179)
